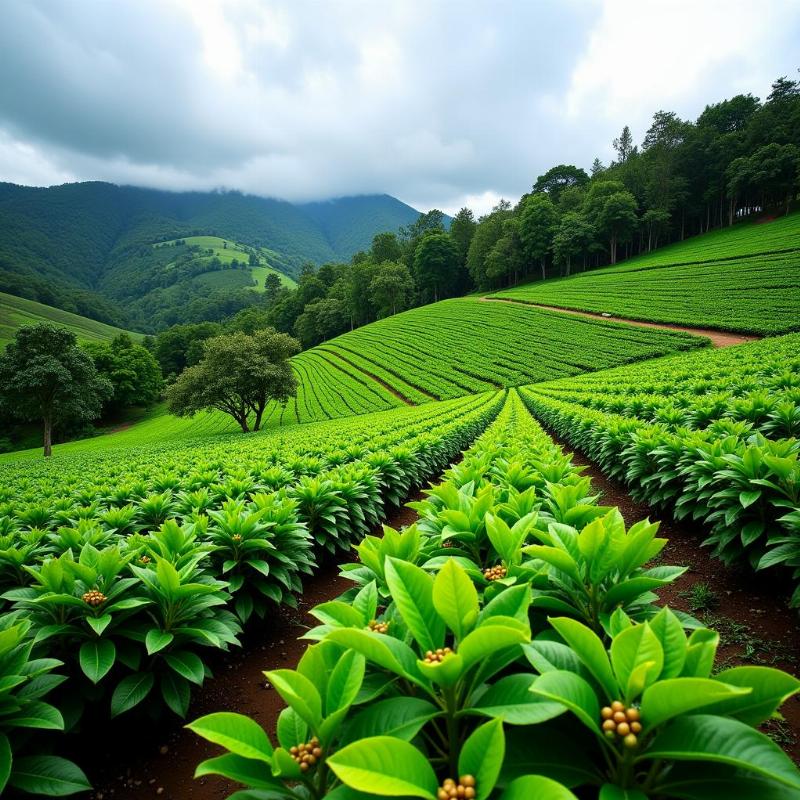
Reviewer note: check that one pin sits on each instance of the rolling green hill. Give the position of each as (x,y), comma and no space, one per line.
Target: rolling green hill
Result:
(745,278)
(441,351)
(16,311)
(88,246)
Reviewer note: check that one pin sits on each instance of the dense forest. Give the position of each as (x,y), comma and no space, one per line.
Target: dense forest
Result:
(740,157)
(83,247)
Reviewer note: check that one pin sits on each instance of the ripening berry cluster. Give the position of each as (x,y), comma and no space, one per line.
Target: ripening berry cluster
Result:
(495,573)
(94,598)
(436,656)
(144,560)
(378,627)
(306,754)
(622,722)
(237,537)
(464,788)
(448,543)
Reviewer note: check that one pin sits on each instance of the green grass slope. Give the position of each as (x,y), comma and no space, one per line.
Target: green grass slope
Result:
(745,278)
(441,351)
(16,312)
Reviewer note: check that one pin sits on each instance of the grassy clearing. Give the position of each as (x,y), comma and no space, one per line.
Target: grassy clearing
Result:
(17,311)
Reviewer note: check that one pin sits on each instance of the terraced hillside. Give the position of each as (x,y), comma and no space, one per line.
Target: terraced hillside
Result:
(445,350)
(17,311)
(713,436)
(745,278)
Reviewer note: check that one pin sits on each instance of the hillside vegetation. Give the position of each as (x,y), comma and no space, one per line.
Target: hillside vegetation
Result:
(81,245)
(16,311)
(745,278)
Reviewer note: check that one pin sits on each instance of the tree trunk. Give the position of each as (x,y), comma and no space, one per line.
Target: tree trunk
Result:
(242,420)
(257,423)
(569,264)
(613,249)
(544,277)
(683,223)
(48,437)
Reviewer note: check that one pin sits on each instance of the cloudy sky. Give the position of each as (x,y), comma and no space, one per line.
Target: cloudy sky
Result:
(438,103)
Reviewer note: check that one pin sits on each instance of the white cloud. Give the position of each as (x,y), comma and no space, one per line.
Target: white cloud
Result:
(439,103)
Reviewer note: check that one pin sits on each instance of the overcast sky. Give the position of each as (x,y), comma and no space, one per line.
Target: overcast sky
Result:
(439,103)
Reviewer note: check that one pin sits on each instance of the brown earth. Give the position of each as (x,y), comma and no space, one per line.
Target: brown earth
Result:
(718,338)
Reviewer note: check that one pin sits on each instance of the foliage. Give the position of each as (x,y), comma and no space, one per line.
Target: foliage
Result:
(238,374)
(45,376)
(420,679)
(130,368)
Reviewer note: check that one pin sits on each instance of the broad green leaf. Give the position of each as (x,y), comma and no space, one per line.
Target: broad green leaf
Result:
(130,691)
(291,729)
(385,766)
(697,780)
(187,664)
(455,599)
(36,714)
(770,689)
(536,787)
(299,693)
(669,631)
(380,649)
(242,770)
(591,651)
(573,692)
(675,696)
(412,592)
(512,602)
(482,756)
(511,700)
(176,693)
(345,681)
(48,775)
(700,653)
(235,732)
(96,657)
(486,640)
(634,647)
(705,737)
(400,717)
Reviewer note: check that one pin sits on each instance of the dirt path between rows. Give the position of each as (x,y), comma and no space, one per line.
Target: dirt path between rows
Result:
(718,338)
(139,761)
(749,610)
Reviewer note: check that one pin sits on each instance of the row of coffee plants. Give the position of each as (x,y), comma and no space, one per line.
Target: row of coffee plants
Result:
(717,450)
(508,646)
(751,295)
(124,583)
(461,346)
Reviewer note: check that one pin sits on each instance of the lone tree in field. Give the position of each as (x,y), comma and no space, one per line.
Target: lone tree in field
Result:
(238,375)
(45,376)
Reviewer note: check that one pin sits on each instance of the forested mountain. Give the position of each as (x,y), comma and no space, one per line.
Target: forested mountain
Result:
(83,246)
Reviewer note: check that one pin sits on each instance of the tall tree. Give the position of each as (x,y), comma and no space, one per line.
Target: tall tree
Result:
(538,222)
(239,375)
(46,376)
(385,247)
(573,237)
(391,288)
(556,179)
(462,229)
(623,144)
(436,265)
(131,369)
